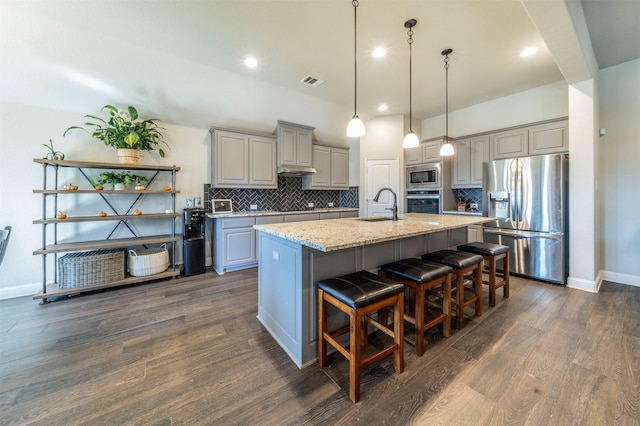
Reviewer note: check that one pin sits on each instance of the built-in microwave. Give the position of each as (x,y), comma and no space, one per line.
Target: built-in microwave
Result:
(426,176)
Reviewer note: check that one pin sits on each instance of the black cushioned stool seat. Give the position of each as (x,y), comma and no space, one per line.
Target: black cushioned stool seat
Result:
(423,279)
(491,254)
(463,264)
(358,295)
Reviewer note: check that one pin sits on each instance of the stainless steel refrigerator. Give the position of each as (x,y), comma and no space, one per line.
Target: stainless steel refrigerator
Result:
(528,197)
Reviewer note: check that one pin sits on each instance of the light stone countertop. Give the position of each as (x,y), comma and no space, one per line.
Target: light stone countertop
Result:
(337,234)
(279,213)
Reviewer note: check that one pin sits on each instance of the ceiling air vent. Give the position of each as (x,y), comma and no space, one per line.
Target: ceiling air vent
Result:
(312,81)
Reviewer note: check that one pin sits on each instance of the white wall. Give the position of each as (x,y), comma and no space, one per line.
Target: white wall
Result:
(620,172)
(22,132)
(542,103)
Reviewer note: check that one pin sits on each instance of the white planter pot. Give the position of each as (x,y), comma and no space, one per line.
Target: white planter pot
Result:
(119,186)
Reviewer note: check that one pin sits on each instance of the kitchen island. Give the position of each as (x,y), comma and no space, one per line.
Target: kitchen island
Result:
(294,256)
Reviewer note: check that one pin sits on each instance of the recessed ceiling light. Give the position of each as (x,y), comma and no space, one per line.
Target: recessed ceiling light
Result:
(528,51)
(251,62)
(379,52)
(382,107)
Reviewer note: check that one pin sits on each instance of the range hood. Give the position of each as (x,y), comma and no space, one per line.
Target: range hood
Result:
(289,170)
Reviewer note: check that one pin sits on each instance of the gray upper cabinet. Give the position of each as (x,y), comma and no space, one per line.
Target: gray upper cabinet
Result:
(427,152)
(294,144)
(332,169)
(539,139)
(242,159)
(548,138)
(510,144)
(470,154)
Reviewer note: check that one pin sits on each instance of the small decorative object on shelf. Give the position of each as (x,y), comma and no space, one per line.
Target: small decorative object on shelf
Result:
(126,133)
(53,154)
(137,212)
(124,179)
(61,215)
(102,214)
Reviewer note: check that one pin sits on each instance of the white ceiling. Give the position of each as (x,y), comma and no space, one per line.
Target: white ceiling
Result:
(65,54)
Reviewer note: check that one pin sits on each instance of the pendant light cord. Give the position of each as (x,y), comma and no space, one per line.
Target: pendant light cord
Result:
(446,108)
(355,57)
(410,41)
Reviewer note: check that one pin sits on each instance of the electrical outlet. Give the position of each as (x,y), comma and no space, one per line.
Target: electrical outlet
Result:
(330,204)
(310,205)
(473,206)
(253,207)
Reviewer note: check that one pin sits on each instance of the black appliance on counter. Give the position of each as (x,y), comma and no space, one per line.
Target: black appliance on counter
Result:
(193,240)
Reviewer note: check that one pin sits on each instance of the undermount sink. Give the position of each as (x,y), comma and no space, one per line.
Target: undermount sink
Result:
(377,218)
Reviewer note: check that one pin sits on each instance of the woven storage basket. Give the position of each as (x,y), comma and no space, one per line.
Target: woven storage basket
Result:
(148,261)
(90,268)
(128,156)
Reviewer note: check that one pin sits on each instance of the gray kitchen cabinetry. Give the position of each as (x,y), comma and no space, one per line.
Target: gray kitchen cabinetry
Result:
(243,159)
(548,138)
(474,233)
(470,154)
(545,138)
(427,152)
(332,169)
(510,144)
(294,144)
(234,241)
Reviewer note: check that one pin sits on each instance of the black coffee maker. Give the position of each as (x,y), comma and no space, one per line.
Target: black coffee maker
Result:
(193,241)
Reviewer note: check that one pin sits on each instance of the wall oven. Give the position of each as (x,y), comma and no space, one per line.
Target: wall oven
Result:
(426,176)
(424,201)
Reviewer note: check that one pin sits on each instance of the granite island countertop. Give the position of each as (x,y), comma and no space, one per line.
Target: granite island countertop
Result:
(251,213)
(337,234)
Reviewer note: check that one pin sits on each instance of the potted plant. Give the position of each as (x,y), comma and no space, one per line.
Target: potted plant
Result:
(125,132)
(118,180)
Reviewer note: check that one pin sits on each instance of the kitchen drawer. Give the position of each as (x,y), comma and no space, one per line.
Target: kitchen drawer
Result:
(241,222)
(330,215)
(265,220)
(301,217)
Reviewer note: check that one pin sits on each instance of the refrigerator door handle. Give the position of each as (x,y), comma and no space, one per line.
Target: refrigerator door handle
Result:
(523,234)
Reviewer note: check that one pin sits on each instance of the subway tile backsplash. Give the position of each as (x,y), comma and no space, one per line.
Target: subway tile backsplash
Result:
(288,196)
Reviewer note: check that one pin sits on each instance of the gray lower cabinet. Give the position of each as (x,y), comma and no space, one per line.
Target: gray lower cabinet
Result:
(234,241)
(242,159)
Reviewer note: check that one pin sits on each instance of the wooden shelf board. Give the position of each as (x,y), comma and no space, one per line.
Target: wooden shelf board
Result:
(115,243)
(54,291)
(94,165)
(97,218)
(103,191)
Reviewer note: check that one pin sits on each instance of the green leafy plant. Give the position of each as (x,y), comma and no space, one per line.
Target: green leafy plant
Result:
(117,177)
(122,129)
(53,154)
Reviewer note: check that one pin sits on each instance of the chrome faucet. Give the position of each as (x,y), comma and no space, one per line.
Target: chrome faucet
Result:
(393,209)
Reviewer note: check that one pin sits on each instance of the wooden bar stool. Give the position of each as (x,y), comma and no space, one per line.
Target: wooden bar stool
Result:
(423,279)
(463,264)
(492,253)
(358,295)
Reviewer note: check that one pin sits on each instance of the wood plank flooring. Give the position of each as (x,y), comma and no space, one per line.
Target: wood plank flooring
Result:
(190,351)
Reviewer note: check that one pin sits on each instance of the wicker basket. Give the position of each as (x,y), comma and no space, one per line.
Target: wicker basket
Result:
(148,261)
(90,268)
(128,156)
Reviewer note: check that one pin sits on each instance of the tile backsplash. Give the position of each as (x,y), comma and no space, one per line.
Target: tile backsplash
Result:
(288,196)
(469,195)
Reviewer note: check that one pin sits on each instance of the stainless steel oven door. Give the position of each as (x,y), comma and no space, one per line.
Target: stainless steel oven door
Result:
(425,201)
(427,176)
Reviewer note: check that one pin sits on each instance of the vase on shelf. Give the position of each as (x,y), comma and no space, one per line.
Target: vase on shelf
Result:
(128,156)
(119,186)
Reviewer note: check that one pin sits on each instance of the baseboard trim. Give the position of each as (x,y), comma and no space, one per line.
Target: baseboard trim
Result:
(633,280)
(584,285)
(19,290)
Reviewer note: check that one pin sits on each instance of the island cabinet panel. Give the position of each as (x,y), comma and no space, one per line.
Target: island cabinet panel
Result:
(289,271)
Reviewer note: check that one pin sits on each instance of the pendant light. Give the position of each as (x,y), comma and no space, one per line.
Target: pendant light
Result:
(410,140)
(355,128)
(446,149)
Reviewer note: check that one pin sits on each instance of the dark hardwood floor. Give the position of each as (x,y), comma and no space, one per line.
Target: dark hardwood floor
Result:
(191,352)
